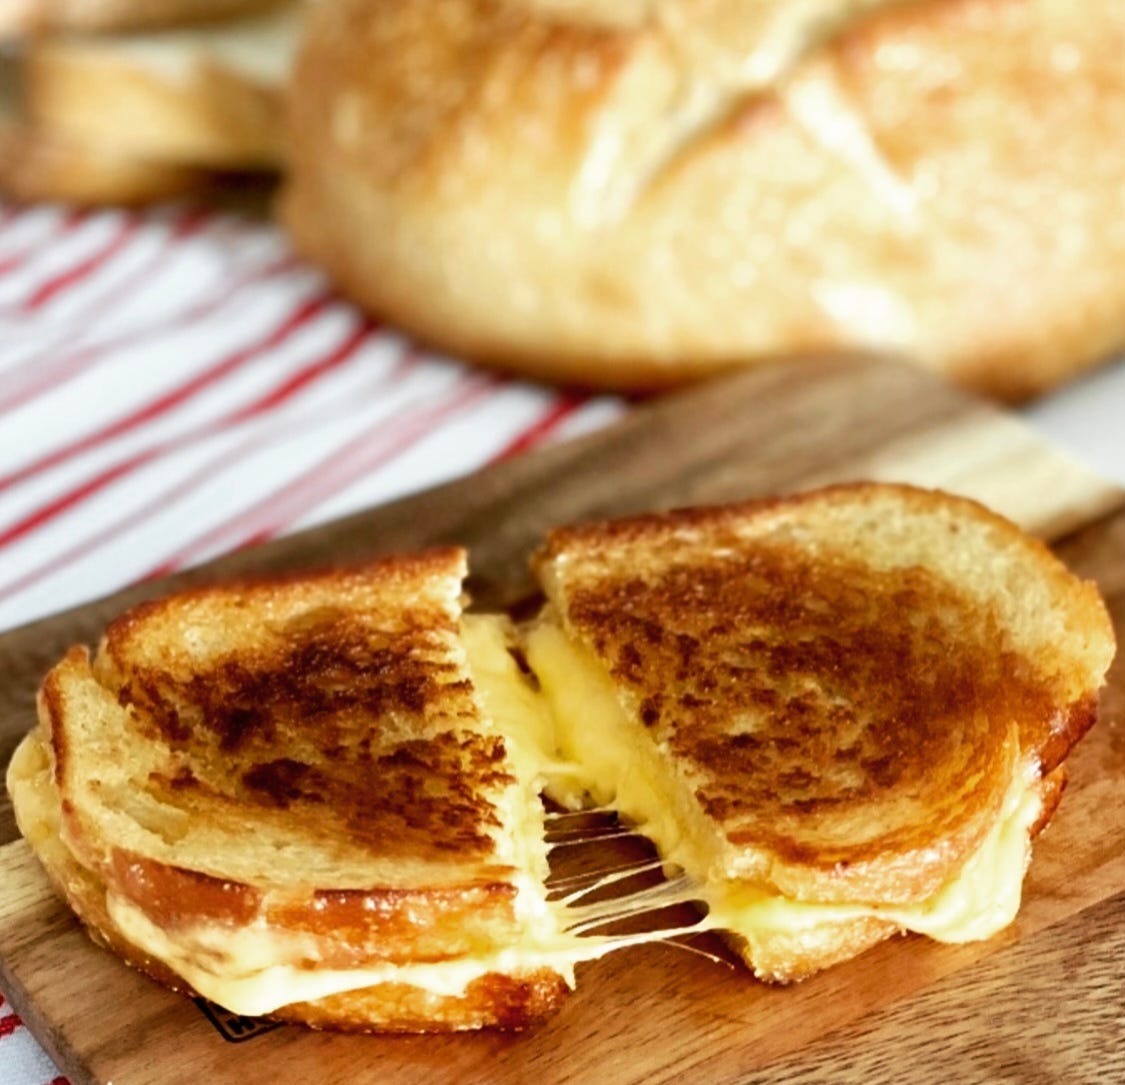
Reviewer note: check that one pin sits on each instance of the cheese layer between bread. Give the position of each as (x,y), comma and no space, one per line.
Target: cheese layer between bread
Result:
(571,737)
(624,767)
(255,968)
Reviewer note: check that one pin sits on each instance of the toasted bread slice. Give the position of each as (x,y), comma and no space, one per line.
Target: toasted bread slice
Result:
(842,713)
(286,796)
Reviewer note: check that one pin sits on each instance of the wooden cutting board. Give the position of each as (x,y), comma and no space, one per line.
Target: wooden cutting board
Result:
(1043,1002)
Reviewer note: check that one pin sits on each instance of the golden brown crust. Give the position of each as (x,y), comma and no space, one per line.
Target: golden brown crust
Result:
(849,713)
(1056,735)
(643,200)
(508,1001)
(1051,788)
(789,956)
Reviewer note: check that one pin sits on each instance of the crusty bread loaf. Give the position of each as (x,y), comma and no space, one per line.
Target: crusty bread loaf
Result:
(18,17)
(848,692)
(641,192)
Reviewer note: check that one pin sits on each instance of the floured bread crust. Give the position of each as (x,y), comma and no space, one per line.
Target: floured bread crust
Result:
(638,194)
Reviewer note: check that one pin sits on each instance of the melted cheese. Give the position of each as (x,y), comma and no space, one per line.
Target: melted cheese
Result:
(253,969)
(518,711)
(574,739)
(626,768)
(247,969)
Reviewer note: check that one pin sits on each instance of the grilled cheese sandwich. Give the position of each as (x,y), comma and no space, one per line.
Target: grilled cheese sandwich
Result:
(835,717)
(330,797)
(843,715)
(626,771)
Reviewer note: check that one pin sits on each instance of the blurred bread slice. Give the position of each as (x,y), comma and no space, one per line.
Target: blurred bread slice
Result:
(19,17)
(208,97)
(39,167)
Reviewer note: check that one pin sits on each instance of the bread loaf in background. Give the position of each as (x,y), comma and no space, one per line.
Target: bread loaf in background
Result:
(635,193)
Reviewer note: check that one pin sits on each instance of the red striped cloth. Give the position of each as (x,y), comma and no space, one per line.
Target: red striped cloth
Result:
(22,1060)
(176,383)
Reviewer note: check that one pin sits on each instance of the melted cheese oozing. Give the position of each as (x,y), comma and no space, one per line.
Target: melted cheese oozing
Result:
(627,769)
(250,975)
(250,969)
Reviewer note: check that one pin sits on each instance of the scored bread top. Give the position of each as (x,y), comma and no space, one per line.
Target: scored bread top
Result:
(311,746)
(849,680)
(552,75)
(841,174)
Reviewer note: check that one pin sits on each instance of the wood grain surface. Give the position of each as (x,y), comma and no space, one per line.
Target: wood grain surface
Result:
(1042,1002)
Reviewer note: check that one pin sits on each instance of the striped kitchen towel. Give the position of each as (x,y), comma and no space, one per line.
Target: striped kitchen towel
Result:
(176,383)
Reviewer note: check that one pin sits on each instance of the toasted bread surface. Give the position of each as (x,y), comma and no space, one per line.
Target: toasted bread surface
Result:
(849,681)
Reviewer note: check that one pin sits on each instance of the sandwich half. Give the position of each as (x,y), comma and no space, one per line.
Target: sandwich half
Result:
(289,797)
(843,714)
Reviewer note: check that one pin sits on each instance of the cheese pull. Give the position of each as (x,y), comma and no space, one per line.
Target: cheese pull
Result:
(625,768)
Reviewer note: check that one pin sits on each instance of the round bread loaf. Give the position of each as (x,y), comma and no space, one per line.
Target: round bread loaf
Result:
(634,193)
